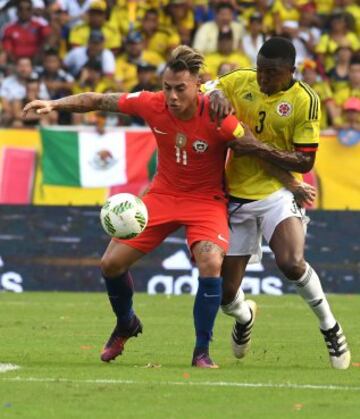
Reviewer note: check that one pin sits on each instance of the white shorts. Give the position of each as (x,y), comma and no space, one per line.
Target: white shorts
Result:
(249,222)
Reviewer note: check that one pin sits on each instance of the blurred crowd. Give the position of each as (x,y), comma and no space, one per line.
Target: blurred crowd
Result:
(52,48)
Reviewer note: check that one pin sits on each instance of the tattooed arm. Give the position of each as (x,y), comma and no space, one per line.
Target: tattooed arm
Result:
(83,102)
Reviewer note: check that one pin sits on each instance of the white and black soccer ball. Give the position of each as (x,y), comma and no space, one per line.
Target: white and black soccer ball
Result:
(124,216)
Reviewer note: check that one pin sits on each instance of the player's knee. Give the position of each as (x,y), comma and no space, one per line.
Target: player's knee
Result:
(209,264)
(292,267)
(111,268)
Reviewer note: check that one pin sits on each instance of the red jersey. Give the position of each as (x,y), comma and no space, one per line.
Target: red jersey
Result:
(191,154)
(25,39)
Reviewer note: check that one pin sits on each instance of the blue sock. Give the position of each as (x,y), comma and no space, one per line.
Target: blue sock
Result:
(207,303)
(120,291)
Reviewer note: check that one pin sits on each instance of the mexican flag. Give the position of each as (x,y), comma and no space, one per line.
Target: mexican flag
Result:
(87,159)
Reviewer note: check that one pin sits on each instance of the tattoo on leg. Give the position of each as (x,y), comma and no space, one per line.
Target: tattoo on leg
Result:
(209,247)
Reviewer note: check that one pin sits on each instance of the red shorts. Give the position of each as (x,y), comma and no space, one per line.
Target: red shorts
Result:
(203,219)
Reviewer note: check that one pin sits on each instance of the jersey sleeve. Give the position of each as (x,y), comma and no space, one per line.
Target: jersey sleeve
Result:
(224,83)
(231,83)
(307,120)
(231,128)
(135,103)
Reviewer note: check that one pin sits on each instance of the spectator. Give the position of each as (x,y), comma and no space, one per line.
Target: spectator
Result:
(75,9)
(203,11)
(353,87)
(147,80)
(96,21)
(135,53)
(225,54)
(27,36)
(339,74)
(180,16)
(265,9)
(254,37)
(351,7)
(349,131)
(309,26)
(13,88)
(147,77)
(206,36)
(8,12)
(91,79)
(329,110)
(58,19)
(33,87)
(324,8)
(158,38)
(3,64)
(76,58)
(290,29)
(339,34)
(285,11)
(351,112)
(58,82)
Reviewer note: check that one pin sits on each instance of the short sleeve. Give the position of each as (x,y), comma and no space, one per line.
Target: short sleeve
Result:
(307,120)
(137,103)
(231,128)
(224,83)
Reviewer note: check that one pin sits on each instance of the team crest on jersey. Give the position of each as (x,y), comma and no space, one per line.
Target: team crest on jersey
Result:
(200,146)
(284,109)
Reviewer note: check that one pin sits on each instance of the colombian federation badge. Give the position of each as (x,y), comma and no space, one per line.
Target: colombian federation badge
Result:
(284,109)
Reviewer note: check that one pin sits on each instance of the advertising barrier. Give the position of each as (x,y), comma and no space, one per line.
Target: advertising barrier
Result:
(57,248)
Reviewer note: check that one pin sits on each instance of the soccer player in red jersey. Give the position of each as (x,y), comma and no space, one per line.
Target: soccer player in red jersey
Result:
(187,191)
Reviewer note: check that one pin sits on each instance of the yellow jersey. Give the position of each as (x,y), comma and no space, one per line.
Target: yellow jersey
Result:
(323,89)
(213,61)
(287,120)
(328,47)
(343,94)
(80,33)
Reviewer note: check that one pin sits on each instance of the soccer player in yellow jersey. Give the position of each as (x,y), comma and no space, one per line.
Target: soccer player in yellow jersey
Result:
(282,113)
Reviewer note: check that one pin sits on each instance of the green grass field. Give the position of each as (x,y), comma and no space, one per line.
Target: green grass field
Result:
(55,339)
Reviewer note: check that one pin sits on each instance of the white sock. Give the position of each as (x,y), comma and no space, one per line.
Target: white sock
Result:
(238,308)
(310,289)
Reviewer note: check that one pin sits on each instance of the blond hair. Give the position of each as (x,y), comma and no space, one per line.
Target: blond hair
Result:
(185,58)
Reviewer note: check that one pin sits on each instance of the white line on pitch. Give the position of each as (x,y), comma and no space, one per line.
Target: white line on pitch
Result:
(8,367)
(186,383)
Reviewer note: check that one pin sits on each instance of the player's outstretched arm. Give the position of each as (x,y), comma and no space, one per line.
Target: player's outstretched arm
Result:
(295,161)
(83,102)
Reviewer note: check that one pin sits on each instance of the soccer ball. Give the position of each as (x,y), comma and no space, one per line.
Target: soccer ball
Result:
(124,216)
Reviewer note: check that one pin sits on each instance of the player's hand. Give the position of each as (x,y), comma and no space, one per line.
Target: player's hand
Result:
(40,107)
(220,106)
(304,194)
